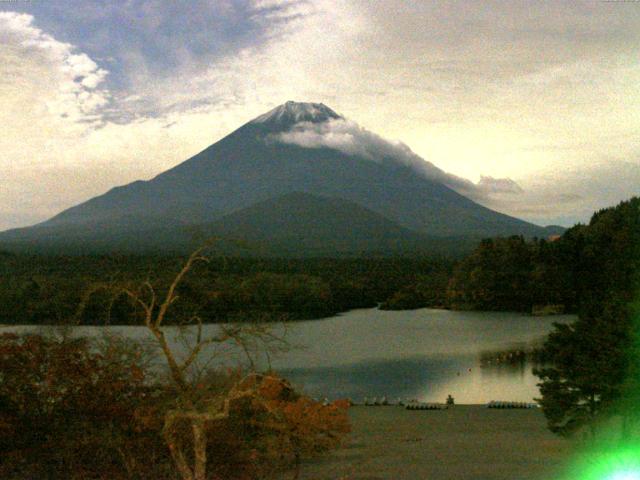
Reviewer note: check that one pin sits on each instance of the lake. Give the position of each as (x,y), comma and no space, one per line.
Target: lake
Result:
(423,354)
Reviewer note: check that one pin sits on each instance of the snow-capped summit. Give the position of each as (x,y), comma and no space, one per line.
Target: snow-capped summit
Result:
(290,113)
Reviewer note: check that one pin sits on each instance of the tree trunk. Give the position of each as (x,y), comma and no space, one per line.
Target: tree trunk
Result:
(176,451)
(297,466)
(199,449)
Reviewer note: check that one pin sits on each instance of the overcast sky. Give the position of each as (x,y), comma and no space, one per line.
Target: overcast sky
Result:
(95,94)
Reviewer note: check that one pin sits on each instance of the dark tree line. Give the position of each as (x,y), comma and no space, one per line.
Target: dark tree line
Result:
(581,268)
(518,275)
(51,289)
(595,362)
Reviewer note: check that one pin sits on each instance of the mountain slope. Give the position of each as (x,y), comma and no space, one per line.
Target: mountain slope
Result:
(295,225)
(303,223)
(252,165)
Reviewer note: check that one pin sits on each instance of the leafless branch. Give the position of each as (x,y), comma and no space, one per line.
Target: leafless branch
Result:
(245,336)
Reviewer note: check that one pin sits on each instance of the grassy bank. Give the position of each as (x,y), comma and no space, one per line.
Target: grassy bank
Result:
(461,443)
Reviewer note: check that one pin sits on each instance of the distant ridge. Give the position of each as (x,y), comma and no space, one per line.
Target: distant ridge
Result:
(293,225)
(299,223)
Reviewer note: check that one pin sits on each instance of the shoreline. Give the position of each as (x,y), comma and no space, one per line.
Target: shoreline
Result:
(299,320)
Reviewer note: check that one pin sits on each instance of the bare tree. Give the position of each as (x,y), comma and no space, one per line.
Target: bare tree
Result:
(297,424)
(196,412)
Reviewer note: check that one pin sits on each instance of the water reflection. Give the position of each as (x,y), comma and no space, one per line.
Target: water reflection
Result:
(405,378)
(423,354)
(426,379)
(513,357)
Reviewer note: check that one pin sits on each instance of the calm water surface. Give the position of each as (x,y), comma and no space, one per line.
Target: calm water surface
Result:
(421,354)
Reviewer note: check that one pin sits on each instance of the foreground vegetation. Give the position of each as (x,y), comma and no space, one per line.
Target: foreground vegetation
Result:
(70,409)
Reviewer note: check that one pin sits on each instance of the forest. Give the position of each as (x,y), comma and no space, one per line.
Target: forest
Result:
(49,289)
(540,276)
(573,272)
(510,274)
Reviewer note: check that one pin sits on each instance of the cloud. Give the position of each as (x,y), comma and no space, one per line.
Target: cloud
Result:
(499,185)
(57,146)
(51,97)
(350,138)
(573,194)
(73,77)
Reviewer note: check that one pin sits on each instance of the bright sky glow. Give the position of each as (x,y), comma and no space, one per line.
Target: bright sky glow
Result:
(97,94)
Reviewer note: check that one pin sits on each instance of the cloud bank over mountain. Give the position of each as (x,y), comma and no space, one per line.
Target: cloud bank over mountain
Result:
(348,137)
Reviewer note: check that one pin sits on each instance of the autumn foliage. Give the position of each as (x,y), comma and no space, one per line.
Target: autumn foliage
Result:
(68,410)
(76,410)
(275,427)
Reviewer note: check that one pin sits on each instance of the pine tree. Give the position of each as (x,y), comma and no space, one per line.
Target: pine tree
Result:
(589,364)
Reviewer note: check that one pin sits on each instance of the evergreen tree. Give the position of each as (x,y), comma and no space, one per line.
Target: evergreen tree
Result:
(589,362)
(595,362)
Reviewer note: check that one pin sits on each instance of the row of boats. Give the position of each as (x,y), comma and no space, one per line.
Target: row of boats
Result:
(426,406)
(416,405)
(503,404)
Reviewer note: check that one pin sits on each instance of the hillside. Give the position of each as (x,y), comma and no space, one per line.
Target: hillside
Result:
(295,224)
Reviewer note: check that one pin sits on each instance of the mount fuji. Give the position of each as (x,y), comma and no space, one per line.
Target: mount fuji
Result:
(344,185)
